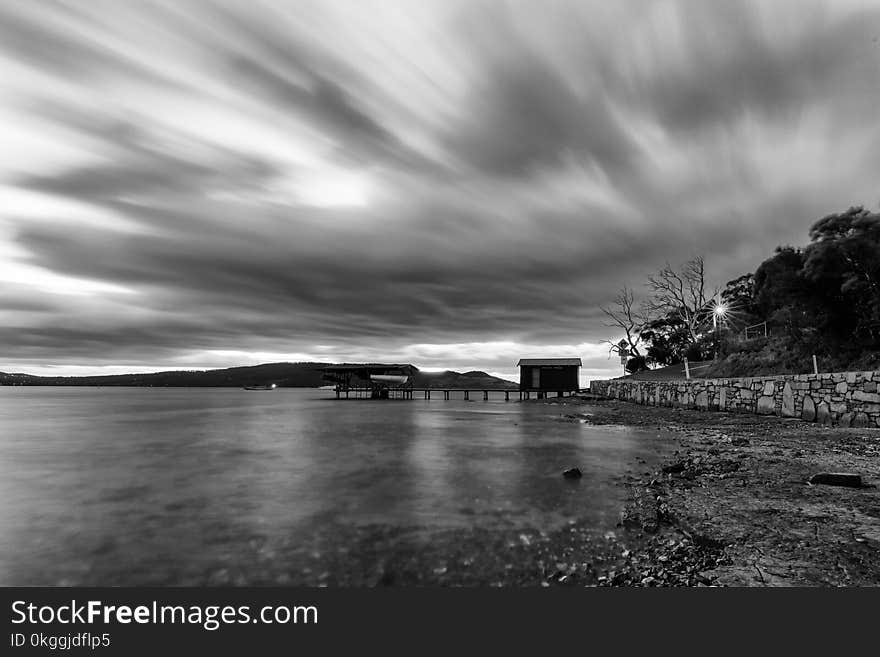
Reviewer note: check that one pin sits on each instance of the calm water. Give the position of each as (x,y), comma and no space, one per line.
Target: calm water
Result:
(167,486)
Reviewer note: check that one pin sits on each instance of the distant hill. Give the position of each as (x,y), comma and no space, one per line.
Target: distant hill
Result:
(284,375)
(450,379)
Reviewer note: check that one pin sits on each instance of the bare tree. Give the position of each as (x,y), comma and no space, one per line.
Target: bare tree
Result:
(683,293)
(630,319)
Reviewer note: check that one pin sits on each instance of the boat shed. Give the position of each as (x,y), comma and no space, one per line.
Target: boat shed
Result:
(544,375)
(376,380)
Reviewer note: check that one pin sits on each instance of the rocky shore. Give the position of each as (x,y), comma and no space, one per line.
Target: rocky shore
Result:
(734,504)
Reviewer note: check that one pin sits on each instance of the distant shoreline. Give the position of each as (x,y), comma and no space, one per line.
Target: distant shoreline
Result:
(283,375)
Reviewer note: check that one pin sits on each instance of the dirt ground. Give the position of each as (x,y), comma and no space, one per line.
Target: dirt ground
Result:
(732,506)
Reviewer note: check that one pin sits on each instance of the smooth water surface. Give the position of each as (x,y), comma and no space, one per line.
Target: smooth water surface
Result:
(148,485)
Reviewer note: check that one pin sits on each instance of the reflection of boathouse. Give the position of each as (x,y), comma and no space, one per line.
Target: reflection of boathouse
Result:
(375,380)
(546,375)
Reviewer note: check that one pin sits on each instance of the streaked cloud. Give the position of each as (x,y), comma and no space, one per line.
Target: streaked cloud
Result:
(456,184)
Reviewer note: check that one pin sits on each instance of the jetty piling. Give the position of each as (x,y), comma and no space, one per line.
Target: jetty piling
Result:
(448,393)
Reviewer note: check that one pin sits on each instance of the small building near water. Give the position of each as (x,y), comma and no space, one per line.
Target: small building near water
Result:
(546,375)
(374,380)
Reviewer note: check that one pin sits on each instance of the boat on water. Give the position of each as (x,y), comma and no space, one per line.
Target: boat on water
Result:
(389,379)
(267,386)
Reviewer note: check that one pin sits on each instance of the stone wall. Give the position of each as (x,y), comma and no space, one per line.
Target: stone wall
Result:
(841,398)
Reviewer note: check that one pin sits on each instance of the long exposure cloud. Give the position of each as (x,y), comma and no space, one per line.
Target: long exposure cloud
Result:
(446,183)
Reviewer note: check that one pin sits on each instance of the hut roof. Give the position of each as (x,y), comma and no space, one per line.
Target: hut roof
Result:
(549,361)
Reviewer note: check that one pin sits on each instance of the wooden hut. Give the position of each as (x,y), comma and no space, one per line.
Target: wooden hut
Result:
(546,375)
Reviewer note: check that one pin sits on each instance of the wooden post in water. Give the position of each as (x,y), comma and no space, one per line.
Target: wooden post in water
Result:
(485,395)
(467,395)
(507,395)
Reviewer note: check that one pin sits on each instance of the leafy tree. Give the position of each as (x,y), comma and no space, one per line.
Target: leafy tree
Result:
(668,339)
(843,263)
(822,299)
(781,294)
(636,364)
(738,296)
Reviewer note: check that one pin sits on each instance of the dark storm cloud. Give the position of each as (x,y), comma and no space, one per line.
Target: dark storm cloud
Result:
(144,171)
(524,114)
(295,279)
(495,179)
(732,63)
(332,108)
(279,67)
(47,36)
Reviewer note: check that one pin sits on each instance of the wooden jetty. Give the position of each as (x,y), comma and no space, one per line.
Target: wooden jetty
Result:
(426,393)
(395,381)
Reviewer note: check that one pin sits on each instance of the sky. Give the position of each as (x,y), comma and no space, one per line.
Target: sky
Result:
(455,184)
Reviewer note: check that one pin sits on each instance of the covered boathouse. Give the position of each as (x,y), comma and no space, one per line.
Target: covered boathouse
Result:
(372,380)
(548,375)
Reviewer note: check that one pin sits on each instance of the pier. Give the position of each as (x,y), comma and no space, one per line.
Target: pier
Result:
(447,393)
(395,381)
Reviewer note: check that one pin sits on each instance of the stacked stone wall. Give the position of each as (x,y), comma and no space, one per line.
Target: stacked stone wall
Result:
(847,399)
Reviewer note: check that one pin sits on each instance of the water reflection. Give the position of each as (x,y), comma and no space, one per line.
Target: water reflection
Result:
(170,486)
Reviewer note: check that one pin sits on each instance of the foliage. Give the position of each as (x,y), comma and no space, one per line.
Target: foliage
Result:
(842,263)
(822,299)
(738,297)
(825,298)
(667,339)
(636,364)
(781,296)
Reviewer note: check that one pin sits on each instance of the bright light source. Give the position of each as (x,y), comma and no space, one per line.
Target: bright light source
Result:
(334,189)
(721,310)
